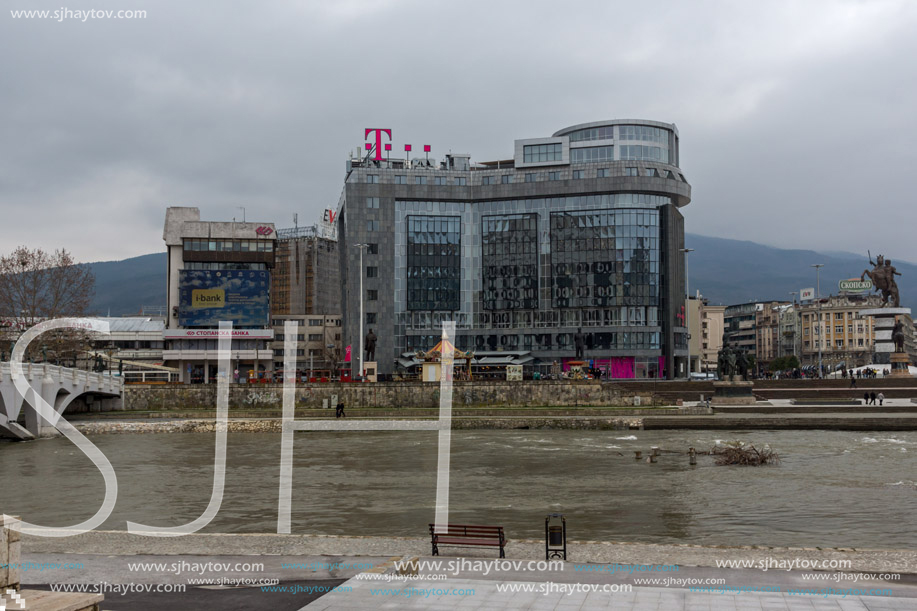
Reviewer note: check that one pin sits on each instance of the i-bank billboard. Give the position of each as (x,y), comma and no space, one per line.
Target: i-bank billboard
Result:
(207,297)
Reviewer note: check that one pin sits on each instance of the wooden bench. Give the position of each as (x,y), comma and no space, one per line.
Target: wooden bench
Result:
(468,535)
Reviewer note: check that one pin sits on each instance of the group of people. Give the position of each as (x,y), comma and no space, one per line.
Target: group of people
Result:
(869,398)
(868,373)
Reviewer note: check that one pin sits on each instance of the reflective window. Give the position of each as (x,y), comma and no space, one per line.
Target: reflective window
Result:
(652,172)
(531,177)
(553,175)
(577,174)
(372,178)
(605,257)
(639,152)
(401,180)
(420,180)
(506,179)
(631,172)
(372,202)
(372,272)
(509,246)
(372,225)
(592,154)
(539,153)
(439,180)
(602,173)
(643,132)
(434,269)
(460,181)
(487,180)
(594,133)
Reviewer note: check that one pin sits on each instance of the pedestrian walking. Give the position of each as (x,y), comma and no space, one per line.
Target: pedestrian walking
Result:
(853,382)
(881,398)
(339,411)
(872,398)
(865,398)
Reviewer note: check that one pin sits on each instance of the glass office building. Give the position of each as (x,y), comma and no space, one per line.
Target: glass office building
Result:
(578,230)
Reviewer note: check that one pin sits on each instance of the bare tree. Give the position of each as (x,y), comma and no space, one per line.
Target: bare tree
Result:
(36,285)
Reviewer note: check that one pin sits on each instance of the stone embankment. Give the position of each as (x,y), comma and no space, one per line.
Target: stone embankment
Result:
(274,425)
(404,395)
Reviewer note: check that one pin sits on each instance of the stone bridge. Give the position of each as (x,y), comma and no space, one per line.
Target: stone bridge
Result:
(59,386)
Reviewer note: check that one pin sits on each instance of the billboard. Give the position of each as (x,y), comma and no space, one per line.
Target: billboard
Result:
(807,294)
(205,297)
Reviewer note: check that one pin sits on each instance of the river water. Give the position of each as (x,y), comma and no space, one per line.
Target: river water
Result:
(830,489)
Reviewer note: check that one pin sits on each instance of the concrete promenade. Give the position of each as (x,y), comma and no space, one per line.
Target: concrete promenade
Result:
(302,571)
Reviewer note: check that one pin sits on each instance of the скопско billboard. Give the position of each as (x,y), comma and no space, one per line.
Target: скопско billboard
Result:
(207,297)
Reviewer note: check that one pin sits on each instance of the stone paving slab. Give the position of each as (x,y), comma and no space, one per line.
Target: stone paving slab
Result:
(599,552)
(432,594)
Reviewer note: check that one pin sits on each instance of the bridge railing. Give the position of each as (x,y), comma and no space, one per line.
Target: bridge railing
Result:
(102,382)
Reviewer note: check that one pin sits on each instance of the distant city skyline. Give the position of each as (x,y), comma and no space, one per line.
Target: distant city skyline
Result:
(796,118)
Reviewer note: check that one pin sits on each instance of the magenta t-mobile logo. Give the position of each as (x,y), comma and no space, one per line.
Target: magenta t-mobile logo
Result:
(378,146)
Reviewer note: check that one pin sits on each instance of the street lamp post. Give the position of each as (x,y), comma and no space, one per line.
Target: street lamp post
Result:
(688,308)
(818,267)
(362,247)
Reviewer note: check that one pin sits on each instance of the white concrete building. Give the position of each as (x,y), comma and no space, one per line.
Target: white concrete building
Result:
(217,271)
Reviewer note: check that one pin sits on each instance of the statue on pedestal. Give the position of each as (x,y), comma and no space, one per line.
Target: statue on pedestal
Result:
(370,342)
(898,335)
(579,342)
(883,279)
(741,365)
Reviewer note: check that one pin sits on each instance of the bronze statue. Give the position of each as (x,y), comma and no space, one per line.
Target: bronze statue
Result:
(883,279)
(370,341)
(579,342)
(731,358)
(741,364)
(898,335)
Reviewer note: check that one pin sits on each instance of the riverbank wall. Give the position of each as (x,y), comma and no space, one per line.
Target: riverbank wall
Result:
(562,393)
(386,394)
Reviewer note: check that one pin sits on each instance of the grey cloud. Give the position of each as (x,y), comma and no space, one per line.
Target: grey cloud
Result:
(796,118)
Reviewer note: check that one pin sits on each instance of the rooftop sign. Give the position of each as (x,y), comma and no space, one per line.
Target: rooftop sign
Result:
(855,285)
(378,146)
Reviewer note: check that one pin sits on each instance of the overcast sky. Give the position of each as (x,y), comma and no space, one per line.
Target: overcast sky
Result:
(797,119)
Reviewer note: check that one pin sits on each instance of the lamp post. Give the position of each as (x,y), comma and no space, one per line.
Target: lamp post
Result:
(688,308)
(818,267)
(795,318)
(362,247)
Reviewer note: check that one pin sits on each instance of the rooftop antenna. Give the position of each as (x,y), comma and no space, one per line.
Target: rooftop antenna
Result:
(242,208)
(296,220)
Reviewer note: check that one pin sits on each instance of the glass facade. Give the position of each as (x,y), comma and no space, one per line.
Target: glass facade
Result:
(510,261)
(537,153)
(644,133)
(591,154)
(604,258)
(595,133)
(434,262)
(639,152)
(541,266)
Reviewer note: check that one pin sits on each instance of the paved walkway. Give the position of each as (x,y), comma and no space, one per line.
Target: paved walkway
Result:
(478,594)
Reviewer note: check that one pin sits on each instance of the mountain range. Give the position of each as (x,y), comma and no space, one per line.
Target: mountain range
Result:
(724,271)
